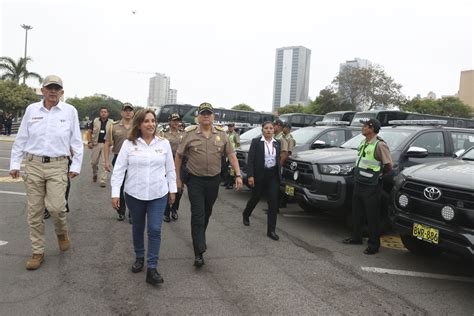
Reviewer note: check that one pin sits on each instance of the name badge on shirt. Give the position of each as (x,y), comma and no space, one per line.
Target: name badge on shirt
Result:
(102,131)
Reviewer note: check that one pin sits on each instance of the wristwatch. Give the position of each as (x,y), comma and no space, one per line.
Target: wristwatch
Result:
(238,175)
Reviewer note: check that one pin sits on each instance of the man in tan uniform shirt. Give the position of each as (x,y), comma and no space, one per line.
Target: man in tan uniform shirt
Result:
(174,136)
(204,146)
(115,137)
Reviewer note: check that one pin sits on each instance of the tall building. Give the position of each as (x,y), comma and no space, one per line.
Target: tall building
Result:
(466,87)
(158,91)
(172,96)
(291,82)
(356,63)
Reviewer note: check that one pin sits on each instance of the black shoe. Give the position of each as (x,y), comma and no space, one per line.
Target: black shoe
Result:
(138,265)
(273,235)
(46,214)
(371,251)
(174,215)
(229,187)
(120,217)
(246,221)
(166,219)
(198,261)
(153,277)
(350,241)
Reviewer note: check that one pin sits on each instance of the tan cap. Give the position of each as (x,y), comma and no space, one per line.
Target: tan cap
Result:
(127,105)
(52,79)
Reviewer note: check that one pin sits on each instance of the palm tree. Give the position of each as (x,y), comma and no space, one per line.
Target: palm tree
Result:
(15,71)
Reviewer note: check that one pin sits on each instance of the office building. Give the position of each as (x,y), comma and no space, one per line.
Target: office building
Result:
(466,87)
(158,91)
(355,63)
(172,96)
(291,81)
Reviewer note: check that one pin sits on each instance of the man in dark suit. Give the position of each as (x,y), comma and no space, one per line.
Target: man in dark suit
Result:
(263,168)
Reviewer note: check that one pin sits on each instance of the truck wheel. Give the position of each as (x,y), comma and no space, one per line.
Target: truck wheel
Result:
(419,246)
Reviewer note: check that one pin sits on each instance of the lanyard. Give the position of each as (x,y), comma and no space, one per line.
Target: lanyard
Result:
(268,148)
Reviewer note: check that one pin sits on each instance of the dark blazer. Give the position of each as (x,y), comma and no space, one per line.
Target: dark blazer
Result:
(256,159)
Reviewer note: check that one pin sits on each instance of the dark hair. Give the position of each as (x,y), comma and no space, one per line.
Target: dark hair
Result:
(138,119)
(103,108)
(266,122)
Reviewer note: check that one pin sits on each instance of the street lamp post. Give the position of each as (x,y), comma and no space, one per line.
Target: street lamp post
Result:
(27,28)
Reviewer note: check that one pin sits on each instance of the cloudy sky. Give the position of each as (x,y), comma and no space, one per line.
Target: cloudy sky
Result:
(223,52)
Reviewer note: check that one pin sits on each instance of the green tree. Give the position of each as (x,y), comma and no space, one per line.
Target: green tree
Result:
(448,106)
(328,101)
(90,106)
(366,88)
(14,71)
(16,97)
(291,108)
(243,107)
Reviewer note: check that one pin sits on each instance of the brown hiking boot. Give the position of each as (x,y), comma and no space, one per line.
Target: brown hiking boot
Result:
(63,241)
(35,261)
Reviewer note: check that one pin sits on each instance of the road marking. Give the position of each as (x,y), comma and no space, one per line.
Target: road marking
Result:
(5,158)
(418,274)
(296,215)
(10,179)
(11,192)
(3,242)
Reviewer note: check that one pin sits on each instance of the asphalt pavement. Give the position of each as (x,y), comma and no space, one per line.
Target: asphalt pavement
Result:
(308,271)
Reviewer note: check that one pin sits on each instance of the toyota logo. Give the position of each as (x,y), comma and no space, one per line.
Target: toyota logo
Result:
(293,165)
(432,193)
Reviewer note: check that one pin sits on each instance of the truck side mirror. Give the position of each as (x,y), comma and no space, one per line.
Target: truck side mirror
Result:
(417,152)
(318,144)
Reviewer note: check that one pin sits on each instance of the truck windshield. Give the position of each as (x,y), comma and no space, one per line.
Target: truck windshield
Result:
(392,137)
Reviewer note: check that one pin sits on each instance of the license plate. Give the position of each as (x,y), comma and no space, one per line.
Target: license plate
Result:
(426,233)
(289,190)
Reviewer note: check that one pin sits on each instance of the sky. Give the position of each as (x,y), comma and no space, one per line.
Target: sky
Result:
(223,52)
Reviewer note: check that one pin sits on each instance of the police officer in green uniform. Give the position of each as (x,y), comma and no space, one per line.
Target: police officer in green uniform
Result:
(174,136)
(204,145)
(116,135)
(373,161)
(234,140)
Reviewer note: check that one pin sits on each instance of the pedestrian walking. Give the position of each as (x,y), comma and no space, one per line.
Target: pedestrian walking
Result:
(116,135)
(48,131)
(96,139)
(234,139)
(204,146)
(373,162)
(263,170)
(8,122)
(150,184)
(174,136)
(290,143)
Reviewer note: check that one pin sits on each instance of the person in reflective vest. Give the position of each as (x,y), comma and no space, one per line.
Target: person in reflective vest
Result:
(373,161)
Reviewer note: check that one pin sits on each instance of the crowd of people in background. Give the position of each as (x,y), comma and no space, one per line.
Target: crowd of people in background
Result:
(6,122)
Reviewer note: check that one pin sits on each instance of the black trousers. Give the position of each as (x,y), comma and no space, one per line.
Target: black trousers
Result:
(175,205)
(366,204)
(202,192)
(270,186)
(122,209)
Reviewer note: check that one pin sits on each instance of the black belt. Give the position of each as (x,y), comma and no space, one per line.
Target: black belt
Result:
(270,169)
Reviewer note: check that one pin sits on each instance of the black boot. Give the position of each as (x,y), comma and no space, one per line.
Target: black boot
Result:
(138,265)
(153,277)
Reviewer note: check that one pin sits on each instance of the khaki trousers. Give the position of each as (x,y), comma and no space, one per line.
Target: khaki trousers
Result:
(45,187)
(95,158)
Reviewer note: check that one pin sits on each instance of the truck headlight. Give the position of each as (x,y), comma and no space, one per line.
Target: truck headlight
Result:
(447,213)
(339,169)
(403,200)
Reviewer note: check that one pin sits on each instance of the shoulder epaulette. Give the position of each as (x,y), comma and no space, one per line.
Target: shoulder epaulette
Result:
(190,128)
(116,122)
(220,128)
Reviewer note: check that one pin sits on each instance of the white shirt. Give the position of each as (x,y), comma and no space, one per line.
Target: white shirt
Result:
(270,152)
(51,133)
(150,169)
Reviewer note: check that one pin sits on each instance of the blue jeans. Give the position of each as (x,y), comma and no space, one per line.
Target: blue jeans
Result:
(151,213)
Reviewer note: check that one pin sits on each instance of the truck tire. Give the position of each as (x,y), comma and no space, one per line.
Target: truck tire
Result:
(419,246)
